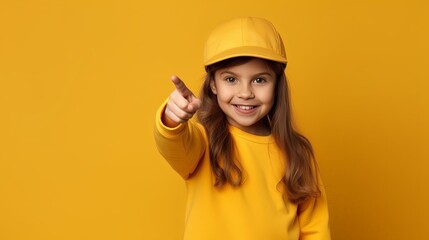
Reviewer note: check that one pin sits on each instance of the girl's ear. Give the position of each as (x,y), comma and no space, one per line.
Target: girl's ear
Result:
(213,87)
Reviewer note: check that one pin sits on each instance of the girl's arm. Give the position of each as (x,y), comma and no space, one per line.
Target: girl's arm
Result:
(180,142)
(314,217)
(182,146)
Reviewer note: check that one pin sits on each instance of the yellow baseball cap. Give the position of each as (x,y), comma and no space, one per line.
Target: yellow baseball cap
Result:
(245,36)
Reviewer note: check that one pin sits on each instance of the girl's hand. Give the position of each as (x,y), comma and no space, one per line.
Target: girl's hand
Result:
(181,105)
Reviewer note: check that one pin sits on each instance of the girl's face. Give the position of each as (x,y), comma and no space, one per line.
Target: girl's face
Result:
(245,93)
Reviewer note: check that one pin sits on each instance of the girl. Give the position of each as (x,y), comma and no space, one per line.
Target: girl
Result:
(249,173)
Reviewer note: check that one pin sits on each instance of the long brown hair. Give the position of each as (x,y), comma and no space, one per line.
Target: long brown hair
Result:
(300,179)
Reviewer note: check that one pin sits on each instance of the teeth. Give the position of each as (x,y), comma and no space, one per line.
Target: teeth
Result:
(245,107)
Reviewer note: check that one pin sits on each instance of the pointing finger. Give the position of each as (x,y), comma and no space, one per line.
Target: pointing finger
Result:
(181,87)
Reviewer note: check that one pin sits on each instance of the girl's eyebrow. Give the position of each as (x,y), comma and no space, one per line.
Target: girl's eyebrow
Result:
(257,74)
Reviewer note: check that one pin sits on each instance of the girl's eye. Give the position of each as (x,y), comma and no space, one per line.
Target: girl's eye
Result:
(230,79)
(259,80)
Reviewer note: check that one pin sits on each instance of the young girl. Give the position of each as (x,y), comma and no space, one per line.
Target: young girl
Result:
(249,173)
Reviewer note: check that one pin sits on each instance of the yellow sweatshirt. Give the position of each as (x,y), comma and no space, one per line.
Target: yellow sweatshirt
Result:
(253,211)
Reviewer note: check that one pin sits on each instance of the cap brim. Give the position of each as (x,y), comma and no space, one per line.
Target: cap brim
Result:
(246,51)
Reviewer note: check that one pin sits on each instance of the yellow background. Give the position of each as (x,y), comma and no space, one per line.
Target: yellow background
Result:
(80,82)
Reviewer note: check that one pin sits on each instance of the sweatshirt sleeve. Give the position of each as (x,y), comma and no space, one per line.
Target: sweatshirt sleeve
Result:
(314,217)
(182,146)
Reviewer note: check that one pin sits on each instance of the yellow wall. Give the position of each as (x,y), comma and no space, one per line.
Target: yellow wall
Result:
(80,82)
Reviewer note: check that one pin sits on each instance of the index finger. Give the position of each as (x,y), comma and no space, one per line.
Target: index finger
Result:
(180,86)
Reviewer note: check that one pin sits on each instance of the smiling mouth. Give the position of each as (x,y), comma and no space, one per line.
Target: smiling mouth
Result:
(245,107)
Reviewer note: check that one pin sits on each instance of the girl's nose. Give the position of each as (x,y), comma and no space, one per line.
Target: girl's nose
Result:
(246,92)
